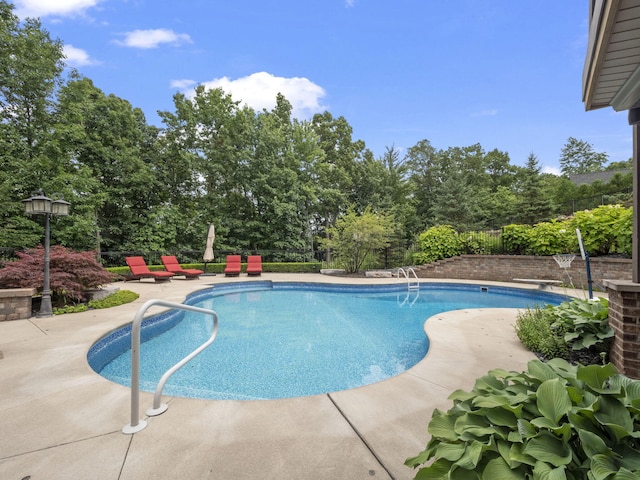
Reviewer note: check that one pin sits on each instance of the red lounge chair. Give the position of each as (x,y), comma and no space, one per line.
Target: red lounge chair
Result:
(170,262)
(254,265)
(233,267)
(140,270)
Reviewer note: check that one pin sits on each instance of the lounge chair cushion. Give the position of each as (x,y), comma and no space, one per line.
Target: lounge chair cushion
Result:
(233,265)
(170,262)
(139,270)
(254,265)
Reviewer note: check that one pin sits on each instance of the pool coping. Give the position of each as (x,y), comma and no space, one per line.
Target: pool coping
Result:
(60,419)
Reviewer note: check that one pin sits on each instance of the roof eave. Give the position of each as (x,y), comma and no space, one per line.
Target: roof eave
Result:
(601,22)
(629,95)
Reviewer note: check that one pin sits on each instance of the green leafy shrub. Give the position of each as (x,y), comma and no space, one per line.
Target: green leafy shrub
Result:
(438,242)
(471,245)
(482,243)
(81,307)
(625,232)
(534,329)
(577,330)
(292,267)
(515,239)
(356,236)
(550,238)
(605,230)
(553,421)
(71,273)
(117,298)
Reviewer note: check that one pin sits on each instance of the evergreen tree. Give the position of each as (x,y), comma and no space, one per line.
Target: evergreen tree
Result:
(534,201)
(457,204)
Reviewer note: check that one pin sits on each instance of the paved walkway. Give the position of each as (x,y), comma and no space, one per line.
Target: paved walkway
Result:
(60,420)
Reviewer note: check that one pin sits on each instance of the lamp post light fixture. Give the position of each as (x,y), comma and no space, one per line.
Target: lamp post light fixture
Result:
(40,204)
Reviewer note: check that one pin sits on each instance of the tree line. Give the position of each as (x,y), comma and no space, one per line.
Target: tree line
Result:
(266,180)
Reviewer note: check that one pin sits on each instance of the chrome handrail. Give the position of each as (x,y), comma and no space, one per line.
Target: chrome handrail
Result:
(137,424)
(406,272)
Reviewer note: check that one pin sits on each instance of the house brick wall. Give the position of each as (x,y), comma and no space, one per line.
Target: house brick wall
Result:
(624,318)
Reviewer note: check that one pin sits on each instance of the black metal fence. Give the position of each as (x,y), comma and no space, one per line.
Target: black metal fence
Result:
(489,242)
(623,197)
(396,255)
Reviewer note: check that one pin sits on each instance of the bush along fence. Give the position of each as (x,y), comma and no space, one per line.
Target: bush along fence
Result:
(606,230)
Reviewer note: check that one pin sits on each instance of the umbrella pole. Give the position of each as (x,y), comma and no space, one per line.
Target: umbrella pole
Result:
(205,274)
(212,274)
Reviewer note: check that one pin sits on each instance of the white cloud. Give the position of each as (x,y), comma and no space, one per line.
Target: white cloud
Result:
(43,8)
(350,3)
(183,84)
(552,170)
(259,91)
(77,56)
(153,38)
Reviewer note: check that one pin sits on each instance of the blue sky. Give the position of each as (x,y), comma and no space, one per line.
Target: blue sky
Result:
(506,74)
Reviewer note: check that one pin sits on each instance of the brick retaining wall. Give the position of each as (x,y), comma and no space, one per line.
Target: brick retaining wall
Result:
(504,268)
(15,303)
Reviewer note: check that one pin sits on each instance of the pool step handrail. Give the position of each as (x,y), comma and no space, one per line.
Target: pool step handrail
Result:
(137,424)
(412,283)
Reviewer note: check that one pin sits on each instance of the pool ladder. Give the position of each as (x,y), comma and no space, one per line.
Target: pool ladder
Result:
(413,284)
(136,424)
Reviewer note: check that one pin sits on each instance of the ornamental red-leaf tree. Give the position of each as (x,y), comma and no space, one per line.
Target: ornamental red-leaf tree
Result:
(71,273)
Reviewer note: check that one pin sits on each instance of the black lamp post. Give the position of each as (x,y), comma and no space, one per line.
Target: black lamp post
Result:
(40,204)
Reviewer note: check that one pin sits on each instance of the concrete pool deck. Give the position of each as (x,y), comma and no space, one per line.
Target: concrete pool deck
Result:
(61,420)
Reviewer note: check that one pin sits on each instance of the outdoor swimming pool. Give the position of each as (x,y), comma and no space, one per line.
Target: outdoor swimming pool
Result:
(281,340)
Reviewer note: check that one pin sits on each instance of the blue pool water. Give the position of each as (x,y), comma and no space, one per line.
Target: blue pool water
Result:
(285,340)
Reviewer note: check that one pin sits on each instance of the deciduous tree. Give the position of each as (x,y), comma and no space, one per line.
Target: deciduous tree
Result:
(578,156)
(355,236)
(30,72)
(104,140)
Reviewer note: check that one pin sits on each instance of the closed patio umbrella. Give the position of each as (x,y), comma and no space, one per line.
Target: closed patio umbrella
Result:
(208,251)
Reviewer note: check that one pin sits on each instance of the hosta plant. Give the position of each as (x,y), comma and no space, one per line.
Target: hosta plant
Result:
(554,421)
(585,323)
(577,330)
